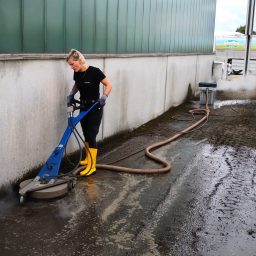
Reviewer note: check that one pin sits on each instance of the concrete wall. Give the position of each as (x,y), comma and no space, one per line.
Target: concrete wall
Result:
(33,101)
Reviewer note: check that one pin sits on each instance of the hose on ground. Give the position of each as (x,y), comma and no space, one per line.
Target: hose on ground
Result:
(166,166)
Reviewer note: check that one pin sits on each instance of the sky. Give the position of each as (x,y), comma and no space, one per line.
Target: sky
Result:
(230,14)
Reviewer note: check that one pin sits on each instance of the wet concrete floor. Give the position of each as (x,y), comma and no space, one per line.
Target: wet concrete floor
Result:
(205,206)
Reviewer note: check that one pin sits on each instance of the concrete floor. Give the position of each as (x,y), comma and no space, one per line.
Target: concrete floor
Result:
(205,206)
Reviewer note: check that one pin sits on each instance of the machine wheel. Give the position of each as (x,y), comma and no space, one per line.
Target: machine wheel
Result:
(71,185)
(22,200)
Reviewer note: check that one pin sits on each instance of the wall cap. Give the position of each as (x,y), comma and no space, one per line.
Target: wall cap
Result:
(47,56)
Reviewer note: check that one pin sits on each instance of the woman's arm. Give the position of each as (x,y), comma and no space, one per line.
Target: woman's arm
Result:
(107,86)
(74,90)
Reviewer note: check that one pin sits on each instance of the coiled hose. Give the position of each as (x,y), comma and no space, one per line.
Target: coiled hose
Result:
(166,166)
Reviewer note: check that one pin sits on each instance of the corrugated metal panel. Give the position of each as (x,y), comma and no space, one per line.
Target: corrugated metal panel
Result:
(101,26)
(33,26)
(131,15)
(112,17)
(122,26)
(107,26)
(73,22)
(55,28)
(152,26)
(89,26)
(145,26)
(11,27)
(138,26)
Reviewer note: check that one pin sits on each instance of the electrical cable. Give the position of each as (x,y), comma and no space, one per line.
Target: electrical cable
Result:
(75,132)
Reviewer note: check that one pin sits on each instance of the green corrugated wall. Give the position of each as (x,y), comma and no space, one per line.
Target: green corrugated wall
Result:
(107,26)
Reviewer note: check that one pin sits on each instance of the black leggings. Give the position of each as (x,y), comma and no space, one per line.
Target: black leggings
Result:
(91,124)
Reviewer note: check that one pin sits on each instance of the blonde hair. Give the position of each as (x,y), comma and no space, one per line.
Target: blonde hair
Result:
(75,55)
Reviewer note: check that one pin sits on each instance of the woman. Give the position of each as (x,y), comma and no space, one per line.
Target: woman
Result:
(87,82)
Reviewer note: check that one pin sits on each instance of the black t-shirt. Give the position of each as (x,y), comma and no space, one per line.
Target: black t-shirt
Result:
(88,83)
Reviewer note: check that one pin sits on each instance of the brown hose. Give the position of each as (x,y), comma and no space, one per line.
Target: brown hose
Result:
(166,165)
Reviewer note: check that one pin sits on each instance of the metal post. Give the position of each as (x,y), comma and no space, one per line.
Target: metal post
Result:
(248,31)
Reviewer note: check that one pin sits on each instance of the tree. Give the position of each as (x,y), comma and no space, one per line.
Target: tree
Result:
(241,29)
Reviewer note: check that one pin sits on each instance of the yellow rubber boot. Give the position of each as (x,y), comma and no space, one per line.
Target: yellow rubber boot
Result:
(85,161)
(91,162)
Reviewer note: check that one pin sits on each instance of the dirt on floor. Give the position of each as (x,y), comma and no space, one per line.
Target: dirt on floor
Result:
(204,206)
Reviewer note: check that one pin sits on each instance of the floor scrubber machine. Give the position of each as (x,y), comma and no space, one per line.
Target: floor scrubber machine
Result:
(48,183)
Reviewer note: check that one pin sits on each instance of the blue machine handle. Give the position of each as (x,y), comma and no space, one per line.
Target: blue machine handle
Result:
(51,168)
